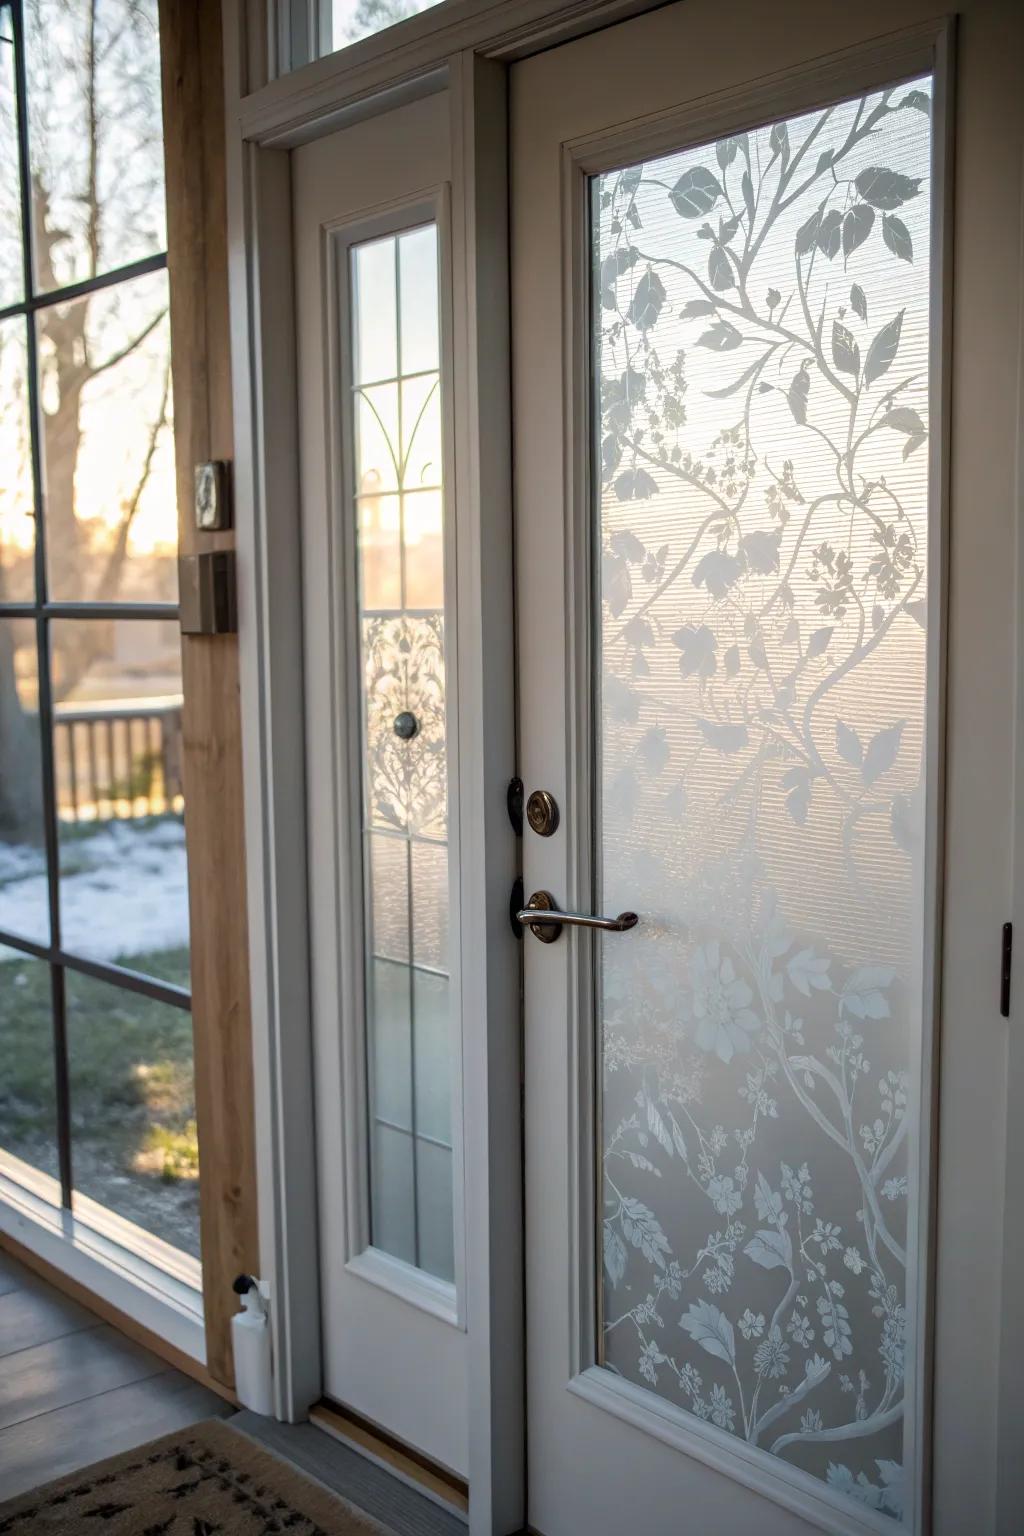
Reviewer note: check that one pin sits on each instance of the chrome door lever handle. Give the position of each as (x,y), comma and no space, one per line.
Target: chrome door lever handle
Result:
(549,927)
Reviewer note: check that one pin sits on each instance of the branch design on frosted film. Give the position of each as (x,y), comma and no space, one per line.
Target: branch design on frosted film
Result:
(761,336)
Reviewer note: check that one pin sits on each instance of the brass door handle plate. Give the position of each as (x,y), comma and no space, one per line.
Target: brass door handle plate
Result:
(554,921)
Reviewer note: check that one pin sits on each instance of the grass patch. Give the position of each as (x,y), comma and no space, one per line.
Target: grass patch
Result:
(131,1084)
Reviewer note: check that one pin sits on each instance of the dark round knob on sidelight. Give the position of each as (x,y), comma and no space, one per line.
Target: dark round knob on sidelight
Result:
(406,725)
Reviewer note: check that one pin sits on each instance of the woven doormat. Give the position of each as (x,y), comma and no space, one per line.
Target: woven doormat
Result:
(207,1480)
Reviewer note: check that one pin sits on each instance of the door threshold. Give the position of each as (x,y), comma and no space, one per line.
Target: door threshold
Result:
(435,1482)
(401,1505)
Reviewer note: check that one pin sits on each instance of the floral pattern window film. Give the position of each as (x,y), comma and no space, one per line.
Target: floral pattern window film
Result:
(398,501)
(761,362)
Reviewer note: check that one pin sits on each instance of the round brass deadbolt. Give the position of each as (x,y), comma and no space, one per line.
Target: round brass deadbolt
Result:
(542,812)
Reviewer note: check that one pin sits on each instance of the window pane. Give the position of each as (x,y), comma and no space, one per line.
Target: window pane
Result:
(353,19)
(133,1118)
(393,1193)
(24,908)
(761,399)
(434,1208)
(389,896)
(96,136)
(390,1001)
(108,450)
(12,271)
(120,802)
(430,904)
(378,449)
(380,544)
(432,1027)
(28,1105)
(423,526)
(421,315)
(374,315)
(400,554)
(421,432)
(17,521)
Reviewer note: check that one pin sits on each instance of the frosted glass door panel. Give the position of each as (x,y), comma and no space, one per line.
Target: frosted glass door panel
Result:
(761,336)
(399,515)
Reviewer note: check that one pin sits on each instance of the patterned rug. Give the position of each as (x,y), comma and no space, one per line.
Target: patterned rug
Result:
(207,1480)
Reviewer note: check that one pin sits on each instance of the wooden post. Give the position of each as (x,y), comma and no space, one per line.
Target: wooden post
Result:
(193,106)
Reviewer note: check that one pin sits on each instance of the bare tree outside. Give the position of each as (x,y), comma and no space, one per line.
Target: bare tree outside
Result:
(97,204)
(354,19)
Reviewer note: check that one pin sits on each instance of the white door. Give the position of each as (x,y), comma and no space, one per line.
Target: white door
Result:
(372,282)
(765,395)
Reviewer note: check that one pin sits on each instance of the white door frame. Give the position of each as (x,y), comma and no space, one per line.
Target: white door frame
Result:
(463,46)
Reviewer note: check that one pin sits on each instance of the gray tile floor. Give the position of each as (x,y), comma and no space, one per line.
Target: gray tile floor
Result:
(73,1390)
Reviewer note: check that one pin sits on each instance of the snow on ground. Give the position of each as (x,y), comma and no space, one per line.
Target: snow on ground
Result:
(124,890)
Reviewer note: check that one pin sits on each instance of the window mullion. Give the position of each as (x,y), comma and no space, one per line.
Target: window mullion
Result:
(45,704)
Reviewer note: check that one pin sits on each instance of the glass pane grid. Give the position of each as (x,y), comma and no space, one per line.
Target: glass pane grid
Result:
(397,498)
(92,861)
(761,347)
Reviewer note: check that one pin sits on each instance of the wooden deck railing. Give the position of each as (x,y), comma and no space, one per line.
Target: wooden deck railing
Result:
(118,760)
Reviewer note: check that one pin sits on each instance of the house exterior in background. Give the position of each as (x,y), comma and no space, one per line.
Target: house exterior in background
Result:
(510,595)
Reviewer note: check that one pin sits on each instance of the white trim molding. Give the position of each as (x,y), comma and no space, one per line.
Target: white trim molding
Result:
(119,1263)
(271,664)
(286,108)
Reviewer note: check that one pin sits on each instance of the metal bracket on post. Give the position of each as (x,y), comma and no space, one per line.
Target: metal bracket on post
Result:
(206,593)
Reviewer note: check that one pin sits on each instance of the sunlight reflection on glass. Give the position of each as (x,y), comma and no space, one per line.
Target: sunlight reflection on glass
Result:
(377,439)
(108,446)
(380,551)
(421,431)
(133,1115)
(424,549)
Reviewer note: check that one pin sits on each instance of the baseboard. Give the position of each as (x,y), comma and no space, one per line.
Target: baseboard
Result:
(115,1317)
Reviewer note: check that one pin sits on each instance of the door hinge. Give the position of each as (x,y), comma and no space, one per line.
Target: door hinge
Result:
(514,802)
(1004,976)
(516,900)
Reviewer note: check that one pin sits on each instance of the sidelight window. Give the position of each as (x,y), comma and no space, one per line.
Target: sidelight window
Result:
(398,500)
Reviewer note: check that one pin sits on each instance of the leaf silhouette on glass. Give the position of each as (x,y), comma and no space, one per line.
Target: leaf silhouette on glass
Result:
(761,350)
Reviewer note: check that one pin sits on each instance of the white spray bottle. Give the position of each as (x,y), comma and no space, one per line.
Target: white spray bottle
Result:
(250,1339)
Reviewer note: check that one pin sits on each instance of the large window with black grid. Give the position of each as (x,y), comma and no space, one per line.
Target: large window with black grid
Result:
(96,1082)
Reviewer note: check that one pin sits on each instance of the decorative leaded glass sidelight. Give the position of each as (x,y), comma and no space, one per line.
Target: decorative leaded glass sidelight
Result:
(398,497)
(761,336)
